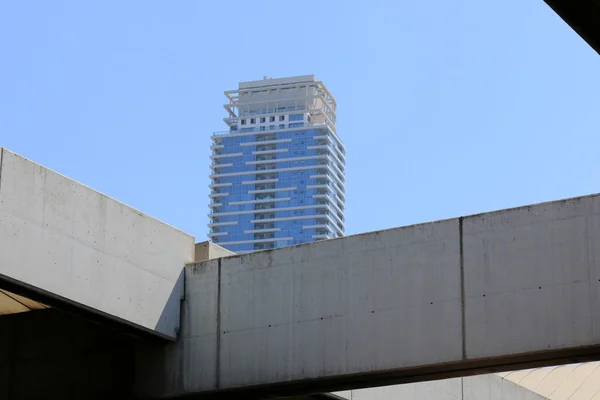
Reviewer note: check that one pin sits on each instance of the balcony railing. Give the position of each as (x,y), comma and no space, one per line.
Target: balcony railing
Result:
(294,125)
(274,110)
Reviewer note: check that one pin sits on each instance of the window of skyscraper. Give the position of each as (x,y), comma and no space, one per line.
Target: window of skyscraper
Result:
(271,174)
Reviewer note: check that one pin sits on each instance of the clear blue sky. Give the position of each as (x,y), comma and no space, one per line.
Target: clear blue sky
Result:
(446,108)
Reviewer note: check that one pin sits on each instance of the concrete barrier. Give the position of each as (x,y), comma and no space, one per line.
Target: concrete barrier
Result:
(497,291)
(78,246)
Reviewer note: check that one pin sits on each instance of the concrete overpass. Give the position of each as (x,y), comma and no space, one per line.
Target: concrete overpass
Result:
(483,293)
(582,16)
(93,287)
(65,244)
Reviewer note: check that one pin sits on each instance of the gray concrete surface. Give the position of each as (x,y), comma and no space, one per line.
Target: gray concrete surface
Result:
(342,307)
(454,297)
(495,291)
(208,251)
(532,278)
(74,244)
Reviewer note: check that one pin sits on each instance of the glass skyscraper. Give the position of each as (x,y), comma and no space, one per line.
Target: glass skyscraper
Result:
(277,173)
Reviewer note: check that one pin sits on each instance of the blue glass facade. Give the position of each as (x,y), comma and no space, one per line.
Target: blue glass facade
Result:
(276,181)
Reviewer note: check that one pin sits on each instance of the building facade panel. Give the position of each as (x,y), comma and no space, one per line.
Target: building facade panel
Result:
(277,173)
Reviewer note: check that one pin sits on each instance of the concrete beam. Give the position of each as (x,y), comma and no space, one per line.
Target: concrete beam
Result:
(583,16)
(70,246)
(496,291)
(208,251)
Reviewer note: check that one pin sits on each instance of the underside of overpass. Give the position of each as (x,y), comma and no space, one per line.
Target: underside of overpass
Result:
(583,16)
(49,353)
(51,348)
(12,303)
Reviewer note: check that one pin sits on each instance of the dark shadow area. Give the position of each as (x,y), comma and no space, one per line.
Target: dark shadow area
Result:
(170,315)
(50,354)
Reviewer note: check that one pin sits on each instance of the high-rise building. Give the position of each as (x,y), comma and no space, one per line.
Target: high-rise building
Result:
(277,173)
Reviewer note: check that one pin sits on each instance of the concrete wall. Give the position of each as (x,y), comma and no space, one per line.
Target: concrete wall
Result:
(532,278)
(343,306)
(190,364)
(408,304)
(208,251)
(80,246)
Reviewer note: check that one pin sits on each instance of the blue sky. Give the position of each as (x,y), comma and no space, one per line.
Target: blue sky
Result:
(446,108)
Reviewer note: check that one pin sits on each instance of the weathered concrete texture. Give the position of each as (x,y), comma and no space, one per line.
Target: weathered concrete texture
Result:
(446,298)
(274,305)
(190,364)
(187,366)
(385,300)
(75,244)
(51,355)
(532,278)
